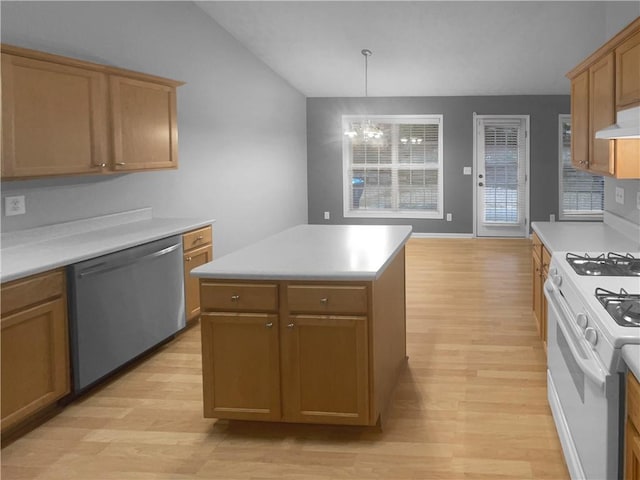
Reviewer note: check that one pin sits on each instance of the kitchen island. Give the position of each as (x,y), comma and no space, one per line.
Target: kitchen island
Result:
(306,326)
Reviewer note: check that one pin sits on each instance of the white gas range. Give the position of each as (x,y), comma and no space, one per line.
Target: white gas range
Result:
(594,309)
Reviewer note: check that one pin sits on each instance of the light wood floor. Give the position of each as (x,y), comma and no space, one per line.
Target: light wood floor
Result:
(472,403)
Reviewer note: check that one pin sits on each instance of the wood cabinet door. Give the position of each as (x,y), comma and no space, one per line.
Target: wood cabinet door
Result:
(145,130)
(580,120)
(632,452)
(601,114)
(538,294)
(53,118)
(241,366)
(192,259)
(628,73)
(35,360)
(325,366)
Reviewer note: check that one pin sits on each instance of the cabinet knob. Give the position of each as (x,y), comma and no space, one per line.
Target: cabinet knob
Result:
(291,325)
(100,165)
(188,259)
(122,164)
(269,325)
(235,298)
(200,237)
(324,301)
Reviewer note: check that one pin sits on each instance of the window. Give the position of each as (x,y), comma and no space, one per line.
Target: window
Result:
(398,175)
(581,194)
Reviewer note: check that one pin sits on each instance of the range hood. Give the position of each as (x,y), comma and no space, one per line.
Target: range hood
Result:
(627,125)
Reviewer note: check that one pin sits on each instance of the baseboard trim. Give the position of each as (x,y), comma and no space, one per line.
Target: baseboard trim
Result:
(441,235)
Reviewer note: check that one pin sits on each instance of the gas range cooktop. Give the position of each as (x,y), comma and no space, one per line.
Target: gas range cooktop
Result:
(614,280)
(623,307)
(605,265)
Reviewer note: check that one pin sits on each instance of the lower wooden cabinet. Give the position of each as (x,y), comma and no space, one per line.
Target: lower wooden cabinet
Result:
(241,366)
(304,352)
(540,260)
(632,430)
(197,246)
(325,369)
(35,349)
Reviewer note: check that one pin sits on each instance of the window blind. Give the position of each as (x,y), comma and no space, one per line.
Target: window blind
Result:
(398,175)
(581,194)
(504,185)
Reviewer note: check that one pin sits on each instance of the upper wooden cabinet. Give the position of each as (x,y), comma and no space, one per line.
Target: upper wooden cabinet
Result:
(145,130)
(604,83)
(62,116)
(54,118)
(628,72)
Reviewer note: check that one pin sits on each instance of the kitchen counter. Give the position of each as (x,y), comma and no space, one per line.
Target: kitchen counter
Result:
(313,252)
(306,326)
(582,237)
(27,252)
(631,355)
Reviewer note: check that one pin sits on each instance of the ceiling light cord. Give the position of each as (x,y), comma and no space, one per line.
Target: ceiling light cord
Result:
(366,53)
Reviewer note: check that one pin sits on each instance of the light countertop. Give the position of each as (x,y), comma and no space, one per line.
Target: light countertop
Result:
(313,252)
(631,355)
(583,237)
(37,250)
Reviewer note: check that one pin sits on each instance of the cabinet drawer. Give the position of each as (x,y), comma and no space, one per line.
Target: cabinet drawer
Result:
(327,299)
(197,238)
(239,297)
(633,400)
(32,290)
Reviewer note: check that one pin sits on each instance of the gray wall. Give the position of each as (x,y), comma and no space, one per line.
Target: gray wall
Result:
(324,152)
(242,135)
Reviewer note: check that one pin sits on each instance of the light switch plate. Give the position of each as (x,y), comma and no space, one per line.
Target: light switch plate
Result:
(14,205)
(620,195)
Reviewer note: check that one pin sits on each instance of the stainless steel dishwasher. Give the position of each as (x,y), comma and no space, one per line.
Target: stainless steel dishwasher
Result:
(122,304)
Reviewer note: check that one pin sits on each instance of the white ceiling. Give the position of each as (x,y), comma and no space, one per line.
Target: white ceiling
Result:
(421,48)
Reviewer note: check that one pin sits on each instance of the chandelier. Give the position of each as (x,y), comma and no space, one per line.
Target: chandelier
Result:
(365,129)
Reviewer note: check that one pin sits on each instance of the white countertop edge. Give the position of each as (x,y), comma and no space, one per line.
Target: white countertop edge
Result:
(181,225)
(365,276)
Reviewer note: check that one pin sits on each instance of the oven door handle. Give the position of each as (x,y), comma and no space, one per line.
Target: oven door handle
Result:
(590,365)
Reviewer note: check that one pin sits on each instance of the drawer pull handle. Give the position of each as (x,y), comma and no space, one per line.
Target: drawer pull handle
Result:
(235,298)
(122,164)
(269,325)
(291,325)
(324,301)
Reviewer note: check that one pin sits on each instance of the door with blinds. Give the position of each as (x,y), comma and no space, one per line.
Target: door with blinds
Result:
(501,183)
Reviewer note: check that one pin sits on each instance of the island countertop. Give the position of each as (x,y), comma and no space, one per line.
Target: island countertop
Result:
(313,252)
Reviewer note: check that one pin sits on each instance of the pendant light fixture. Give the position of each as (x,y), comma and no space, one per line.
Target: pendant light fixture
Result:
(364,130)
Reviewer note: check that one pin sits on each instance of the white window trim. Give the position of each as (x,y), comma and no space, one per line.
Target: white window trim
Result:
(346,159)
(561,214)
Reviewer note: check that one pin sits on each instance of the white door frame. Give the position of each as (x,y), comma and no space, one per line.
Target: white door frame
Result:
(476,117)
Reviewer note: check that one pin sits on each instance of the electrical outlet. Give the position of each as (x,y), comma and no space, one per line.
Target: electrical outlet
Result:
(638,200)
(620,195)
(327,215)
(466,170)
(14,205)
(449,217)
(552,217)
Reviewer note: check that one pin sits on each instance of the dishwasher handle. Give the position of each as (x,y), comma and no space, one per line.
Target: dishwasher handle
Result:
(110,266)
